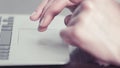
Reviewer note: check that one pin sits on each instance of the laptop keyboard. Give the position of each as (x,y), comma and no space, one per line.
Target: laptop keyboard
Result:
(6,25)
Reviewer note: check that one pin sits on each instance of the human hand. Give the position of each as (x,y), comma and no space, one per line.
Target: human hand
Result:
(48,9)
(95,27)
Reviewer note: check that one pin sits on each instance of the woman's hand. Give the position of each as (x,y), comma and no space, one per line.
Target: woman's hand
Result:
(95,27)
(48,9)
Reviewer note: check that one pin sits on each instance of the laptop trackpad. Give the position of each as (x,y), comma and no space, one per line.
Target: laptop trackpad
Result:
(45,46)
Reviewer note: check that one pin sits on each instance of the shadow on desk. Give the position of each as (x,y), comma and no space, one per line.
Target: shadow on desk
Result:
(78,59)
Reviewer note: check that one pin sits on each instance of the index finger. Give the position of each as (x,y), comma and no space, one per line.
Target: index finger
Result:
(37,13)
(54,9)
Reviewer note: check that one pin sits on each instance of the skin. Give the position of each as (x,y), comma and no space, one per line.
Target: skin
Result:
(94,25)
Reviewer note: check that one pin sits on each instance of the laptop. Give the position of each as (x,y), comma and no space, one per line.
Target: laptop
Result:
(22,44)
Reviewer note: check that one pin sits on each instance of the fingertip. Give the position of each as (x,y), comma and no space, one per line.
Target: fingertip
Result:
(42,25)
(34,16)
(67,32)
(42,29)
(45,21)
(64,36)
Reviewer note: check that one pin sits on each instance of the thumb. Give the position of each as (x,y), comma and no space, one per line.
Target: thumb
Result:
(68,35)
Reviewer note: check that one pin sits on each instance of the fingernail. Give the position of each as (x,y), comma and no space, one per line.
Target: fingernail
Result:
(41,29)
(34,13)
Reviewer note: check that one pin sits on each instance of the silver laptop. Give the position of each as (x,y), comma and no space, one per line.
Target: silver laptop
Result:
(22,44)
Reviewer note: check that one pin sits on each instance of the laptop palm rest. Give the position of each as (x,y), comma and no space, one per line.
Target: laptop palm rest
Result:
(30,47)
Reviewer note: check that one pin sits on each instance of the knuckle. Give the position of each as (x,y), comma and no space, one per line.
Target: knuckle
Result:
(88,5)
(54,11)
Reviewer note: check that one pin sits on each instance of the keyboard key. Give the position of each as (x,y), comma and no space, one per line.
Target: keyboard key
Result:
(9,19)
(4,44)
(4,51)
(4,55)
(0,20)
(5,37)
(10,24)
(6,28)
(3,58)
(4,47)
(5,20)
